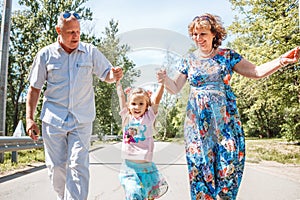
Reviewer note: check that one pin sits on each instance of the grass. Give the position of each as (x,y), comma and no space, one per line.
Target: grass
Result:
(25,158)
(272,150)
(256,150)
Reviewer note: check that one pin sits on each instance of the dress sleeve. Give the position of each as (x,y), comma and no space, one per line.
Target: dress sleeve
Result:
(183,66)
(234,58)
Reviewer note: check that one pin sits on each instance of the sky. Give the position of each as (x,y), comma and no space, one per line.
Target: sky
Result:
(167,14)
(152,28)
(144,23)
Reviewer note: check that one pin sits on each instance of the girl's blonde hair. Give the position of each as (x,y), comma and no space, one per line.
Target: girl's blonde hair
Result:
(209,22)
(139,92)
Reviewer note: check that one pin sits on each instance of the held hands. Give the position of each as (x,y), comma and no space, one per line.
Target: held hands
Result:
(161,76)
(117,73)
(290,57)
(32,129)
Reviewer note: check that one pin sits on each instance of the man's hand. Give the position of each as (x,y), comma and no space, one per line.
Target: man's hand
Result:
(118,73)
(32,129)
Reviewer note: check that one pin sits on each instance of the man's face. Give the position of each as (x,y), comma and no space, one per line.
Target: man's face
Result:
(69,34)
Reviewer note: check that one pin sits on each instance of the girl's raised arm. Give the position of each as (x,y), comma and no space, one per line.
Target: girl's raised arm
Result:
(155,100)
(121,95)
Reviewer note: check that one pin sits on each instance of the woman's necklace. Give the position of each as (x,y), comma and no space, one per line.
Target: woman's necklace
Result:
(203,55)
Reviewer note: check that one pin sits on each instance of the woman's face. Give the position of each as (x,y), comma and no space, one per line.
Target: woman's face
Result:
(203,38)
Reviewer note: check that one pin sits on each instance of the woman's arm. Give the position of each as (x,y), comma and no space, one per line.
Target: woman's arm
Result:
(172,86)
(247,69)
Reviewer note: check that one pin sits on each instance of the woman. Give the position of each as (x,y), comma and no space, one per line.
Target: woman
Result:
(215,144)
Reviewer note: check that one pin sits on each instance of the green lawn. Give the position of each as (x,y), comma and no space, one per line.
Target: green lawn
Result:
(267,149)
(25,158)
(272,150)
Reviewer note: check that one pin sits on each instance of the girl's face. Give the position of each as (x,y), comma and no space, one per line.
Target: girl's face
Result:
(203,39)
(137,105)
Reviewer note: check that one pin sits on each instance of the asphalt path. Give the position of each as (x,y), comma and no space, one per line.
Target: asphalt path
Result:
(269,181)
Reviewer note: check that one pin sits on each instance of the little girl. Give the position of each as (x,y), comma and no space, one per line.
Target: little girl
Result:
(139,176)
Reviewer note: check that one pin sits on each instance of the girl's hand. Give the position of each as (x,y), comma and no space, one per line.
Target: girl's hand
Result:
(161,76)
(290,57)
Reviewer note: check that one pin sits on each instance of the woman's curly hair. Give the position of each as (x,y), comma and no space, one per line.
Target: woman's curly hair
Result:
(212,23)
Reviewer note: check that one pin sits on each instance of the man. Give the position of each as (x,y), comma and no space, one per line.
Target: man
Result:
(67,66)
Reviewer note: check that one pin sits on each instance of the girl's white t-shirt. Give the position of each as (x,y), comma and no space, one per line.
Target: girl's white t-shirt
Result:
(138,142)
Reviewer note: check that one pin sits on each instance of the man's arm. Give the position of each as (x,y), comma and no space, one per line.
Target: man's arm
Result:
(31,102)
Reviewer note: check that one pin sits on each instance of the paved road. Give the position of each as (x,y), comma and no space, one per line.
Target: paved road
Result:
(259,182)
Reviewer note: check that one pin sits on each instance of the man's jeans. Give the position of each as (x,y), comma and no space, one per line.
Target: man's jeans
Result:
(67,158)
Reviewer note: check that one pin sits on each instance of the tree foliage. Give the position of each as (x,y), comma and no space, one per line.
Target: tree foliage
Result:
(108,120)
(177,114)
(168,125)
(264,30)
(33,27)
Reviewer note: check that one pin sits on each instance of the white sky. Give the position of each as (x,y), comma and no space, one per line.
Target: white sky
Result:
(174,15)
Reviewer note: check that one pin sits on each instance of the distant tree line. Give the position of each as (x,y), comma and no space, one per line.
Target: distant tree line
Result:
(262,31)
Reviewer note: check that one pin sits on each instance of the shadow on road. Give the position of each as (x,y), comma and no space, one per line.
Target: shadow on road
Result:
(22,173)
(31,168)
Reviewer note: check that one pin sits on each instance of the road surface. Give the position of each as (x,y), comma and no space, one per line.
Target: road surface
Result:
(270,181)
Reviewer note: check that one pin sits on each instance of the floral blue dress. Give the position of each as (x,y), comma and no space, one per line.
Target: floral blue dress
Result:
(215,145)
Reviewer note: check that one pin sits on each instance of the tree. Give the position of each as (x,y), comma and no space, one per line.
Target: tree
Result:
(107,104)
(32,28)
(168,109)
(264,30)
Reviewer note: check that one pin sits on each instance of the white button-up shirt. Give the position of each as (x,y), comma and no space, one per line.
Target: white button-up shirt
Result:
(69,81)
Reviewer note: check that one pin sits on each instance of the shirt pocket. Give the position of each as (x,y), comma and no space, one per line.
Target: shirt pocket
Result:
(85,71)
(55,73)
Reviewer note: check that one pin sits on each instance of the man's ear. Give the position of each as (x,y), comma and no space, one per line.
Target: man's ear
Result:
(58,29)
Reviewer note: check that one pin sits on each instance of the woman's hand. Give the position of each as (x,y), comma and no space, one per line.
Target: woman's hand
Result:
(161,76)
(290,57)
